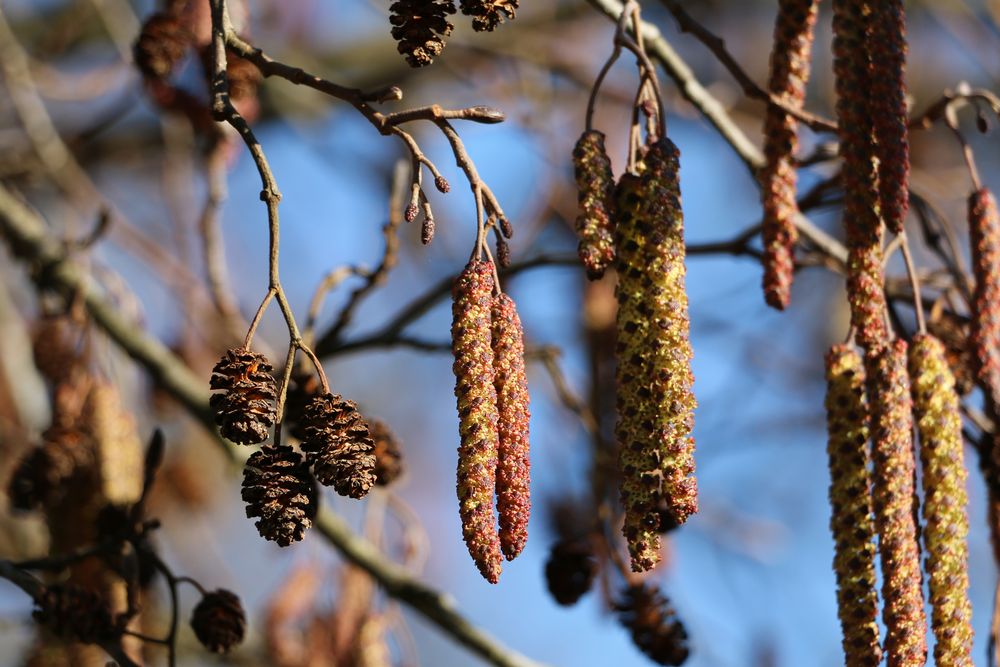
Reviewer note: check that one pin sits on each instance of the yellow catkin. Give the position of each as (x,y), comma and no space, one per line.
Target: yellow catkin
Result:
(939,424)
(850,498)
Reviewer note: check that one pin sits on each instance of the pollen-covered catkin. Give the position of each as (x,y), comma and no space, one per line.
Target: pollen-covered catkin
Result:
(850,498)
(477,413)
(893,493)
(861,214)
(595,190)
(984,332)
(939,424)
(793,39)
(513,469)
(655,399)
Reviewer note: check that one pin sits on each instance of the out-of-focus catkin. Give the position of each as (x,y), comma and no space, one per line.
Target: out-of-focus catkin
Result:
(477,414)
(893,494)
(887,46)
(655,399)
(861,213)
(513,469)
(984,332)
(939,424)
(793,39)
(595,185)
(850,498)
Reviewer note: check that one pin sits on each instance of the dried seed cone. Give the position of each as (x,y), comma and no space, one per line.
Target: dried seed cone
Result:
(244,410)
(655,399)
(278,488)
(339,445)
(76,613)
(793,39)
(894,503)
(218,620)
(477,414)
(850,498)
(595,184)
(861,214)
(887,45)
(570,570)
(488,14)
(420,27)
(513,469)
(161,45)
(654,625)
(46,474)
(939,423)
(388,455)
(984,333)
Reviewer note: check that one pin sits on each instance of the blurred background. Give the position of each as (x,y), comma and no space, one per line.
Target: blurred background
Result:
(750,575)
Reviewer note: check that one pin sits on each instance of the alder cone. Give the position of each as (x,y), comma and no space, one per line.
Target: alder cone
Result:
(570,571)
(514,463)
(76,613)
(478,417)
(161,45)
(419,27)
(653,624)
(595,185)
(488,14)
(244,411)
(339,445)
(939,424)
(793,39)
(218,620)
(46,474)
(278,488)
(388,454)
(850,498)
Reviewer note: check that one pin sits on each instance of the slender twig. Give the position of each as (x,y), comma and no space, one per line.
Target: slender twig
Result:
(911,271)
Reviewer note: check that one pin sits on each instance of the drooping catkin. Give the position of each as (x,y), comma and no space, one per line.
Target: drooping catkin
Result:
(893,494)
(939,424)
(861,214)
(850,498)
(477,413)
(793,39)
(595,185)
(984,332)
(887,46)
(513,469)
(655,399)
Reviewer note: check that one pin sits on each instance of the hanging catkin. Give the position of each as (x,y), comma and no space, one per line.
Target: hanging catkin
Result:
(595,190)
(477,413)
(793,38)
(887,46)
(655,399)
(513,469)
(893,494)
(861,219)
(984,333)
(850,497)
(939,423)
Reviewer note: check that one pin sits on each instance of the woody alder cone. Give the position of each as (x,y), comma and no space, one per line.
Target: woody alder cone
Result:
(488,14)
(388,457)
(654,625)
(278,488)
(75,613)
(218,621)
(244,410)
(161,45)
(570,570)
(338,444)
(420,28)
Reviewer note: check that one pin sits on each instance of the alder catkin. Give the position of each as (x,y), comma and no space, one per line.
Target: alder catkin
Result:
(939,424)
(655,399)
(894,502)
(850,498)
(861,214)
(793,39)
(477,413)
(984,331)
(887,46)
(595,191)
(513,469)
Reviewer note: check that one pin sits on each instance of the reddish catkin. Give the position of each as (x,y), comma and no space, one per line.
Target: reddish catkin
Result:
(793,38)
(477,414)
(861,217)
(595,190)
(513,469)
(850,497)
(984,332)
(893,495)
(887,46)
(939,424)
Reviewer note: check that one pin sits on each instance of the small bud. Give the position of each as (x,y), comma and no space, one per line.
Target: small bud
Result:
(441,184)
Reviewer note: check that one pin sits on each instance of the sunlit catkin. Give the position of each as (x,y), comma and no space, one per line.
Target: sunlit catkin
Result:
(793,38)
(861,214)
(655,399)
(984,331)
(850,498)
(893,493)
(477,413)
(939,424)
(595,190)
(513,469)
